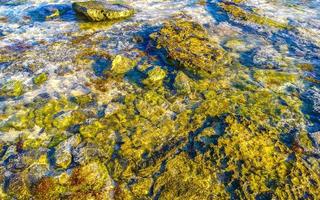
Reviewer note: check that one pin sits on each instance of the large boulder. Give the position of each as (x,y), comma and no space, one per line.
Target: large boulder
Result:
(100,11)
(189,46)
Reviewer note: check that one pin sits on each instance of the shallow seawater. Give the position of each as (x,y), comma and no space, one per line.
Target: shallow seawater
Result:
(186,99)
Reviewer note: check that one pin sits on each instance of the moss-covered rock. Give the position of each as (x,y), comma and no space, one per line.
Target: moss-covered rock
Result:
(155,77)
(40,79)
(189,45)
(100,11)
(182,83)
(121,64)
(13,88)
(238,13)
(91,177)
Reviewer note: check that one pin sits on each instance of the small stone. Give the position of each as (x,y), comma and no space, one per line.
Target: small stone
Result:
(236,45)
(40,79)
(36,172)
(100,11)
(182,83)
(316,137)
(12,88)
(122,64)
(63,151)
(155,76)
(92,176)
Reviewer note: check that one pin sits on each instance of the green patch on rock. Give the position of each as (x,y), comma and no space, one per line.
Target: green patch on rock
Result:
(91,130)
(273,79)
(189,46)
(240,14)
(183,83)
(122,64)
(100,11)
(12,88)
(40,79)
(155,77)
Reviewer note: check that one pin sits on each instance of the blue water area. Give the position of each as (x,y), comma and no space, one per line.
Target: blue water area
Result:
(100,65)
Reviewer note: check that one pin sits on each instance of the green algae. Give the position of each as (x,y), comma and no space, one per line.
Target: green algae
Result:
(84,100)
(182,83)
(306,67)
(121,64)
(189,45)
(239,13)
(55,14)
(274,79)
(155,77)
(218,137)
(92,129)
(99,11)
(40,79)
(13,88)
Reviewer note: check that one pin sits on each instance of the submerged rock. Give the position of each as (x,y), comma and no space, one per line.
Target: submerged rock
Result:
(155,76)
(12,88)
(182,83)
(100,11)
(188,44)
(63,151)
(122,64)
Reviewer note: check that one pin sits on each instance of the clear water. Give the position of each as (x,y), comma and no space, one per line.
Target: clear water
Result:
(48,45)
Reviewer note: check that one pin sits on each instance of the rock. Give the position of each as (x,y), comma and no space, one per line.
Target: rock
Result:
(84,153)
(49,12)
(100,11)
(12,88)
(41,78)
(18,187)
(316,137)
(121,64)
(92,176)
(313,95)
(36,172)
(236,45)
(63,158)
(182,83)
(63,151)
(155,76)
(268,57)
(188,45)
(92,129)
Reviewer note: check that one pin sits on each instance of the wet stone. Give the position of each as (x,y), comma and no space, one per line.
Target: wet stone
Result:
(100,11)
(63,156)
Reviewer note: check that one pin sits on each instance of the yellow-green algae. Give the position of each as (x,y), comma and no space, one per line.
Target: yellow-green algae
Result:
(12,88)
(187,43)
(121,64)
(40,79)
(239,13)
(214,137)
